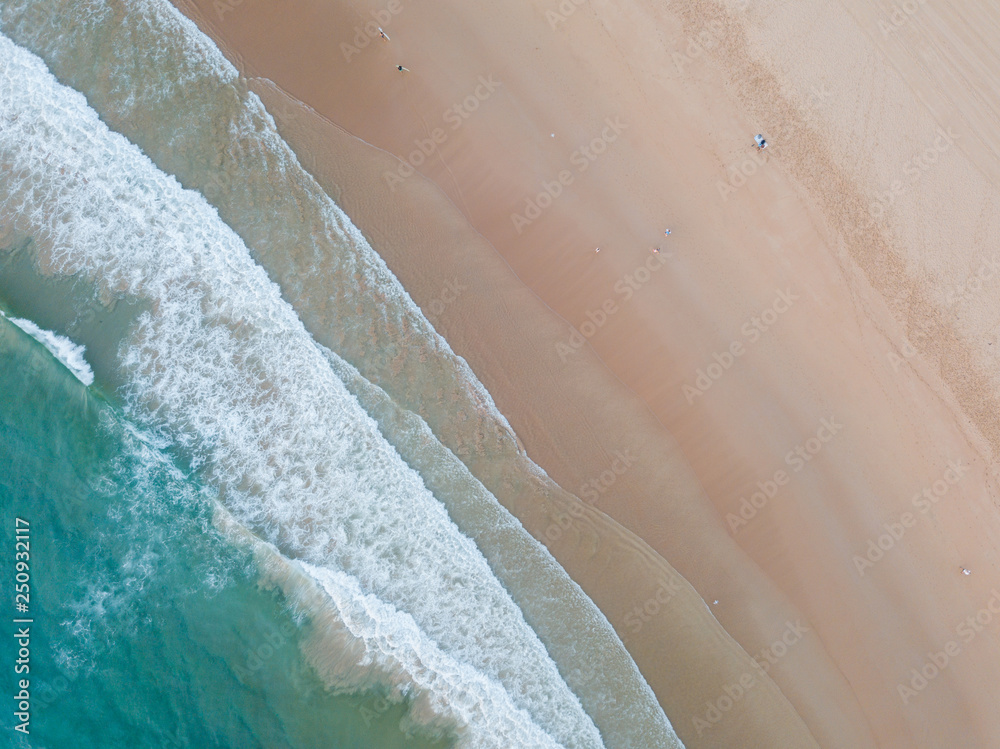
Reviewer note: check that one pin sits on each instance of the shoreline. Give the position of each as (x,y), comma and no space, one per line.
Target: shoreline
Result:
(624,577)
(515,295)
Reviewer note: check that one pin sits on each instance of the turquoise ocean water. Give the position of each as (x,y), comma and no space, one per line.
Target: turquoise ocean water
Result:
(150,629)
(265,496)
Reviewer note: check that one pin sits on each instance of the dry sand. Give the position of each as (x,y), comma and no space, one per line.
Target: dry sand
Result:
(869,229)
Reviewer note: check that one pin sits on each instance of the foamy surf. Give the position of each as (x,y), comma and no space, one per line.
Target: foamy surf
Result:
(546,595)
(137,587)
(69,354)
(353,649)
(220,362)
(154,77)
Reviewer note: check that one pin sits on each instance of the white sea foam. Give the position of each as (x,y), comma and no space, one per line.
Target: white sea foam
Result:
(154,77)
(62,348)
(541,588)
(352,651)
(222,362)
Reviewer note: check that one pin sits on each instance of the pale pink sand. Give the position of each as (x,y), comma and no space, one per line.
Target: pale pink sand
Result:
(873,339)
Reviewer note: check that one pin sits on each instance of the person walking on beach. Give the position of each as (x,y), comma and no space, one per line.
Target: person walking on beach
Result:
(666,233)
(401,69)
(383,34)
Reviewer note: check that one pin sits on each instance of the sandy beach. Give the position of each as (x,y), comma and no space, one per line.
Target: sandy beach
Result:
(789,402)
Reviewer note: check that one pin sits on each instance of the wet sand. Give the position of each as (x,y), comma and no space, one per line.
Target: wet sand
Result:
(819,327)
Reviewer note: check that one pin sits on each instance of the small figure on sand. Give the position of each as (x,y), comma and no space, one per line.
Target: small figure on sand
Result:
(597,250)
(383,34)
(401,69)
(761,143)
(656,250)
(966,571)
(666,233)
